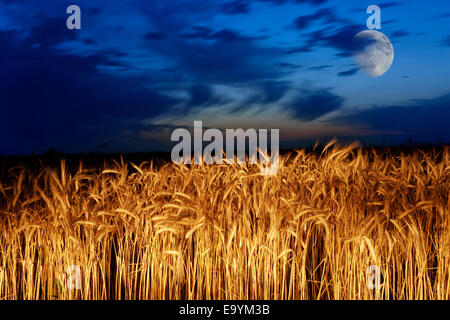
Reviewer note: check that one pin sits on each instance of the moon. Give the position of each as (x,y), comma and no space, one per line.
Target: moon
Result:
(374,52)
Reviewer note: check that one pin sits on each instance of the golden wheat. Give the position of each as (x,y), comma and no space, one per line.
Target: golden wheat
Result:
(138,231)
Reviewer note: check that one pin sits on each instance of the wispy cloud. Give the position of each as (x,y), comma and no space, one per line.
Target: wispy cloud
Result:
(348,72)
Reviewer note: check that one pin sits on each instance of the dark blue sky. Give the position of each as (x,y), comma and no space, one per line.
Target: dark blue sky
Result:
(138,69)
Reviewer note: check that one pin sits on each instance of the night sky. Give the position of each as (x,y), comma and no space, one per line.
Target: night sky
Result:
(139,69)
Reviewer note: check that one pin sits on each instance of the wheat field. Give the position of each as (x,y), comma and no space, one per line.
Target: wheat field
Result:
(141,231)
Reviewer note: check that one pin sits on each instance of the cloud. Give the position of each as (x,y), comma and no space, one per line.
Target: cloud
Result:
(203,96)
(235,7)
(446,41)
(206,33)
(206,54)
(241,7)
(312,2)
(348,72)
(50,32)
(386,5)
(424,119)
(343,40)
(290,65)
(197,32)
(154,36)
(219,56)
(340,39)
(95,91)
(383,5)
(229,35)
(390,21)
(280,2)
(312,104)
(326,15)
(50,98)
(302,49)
(400,34)
(326,66)
(443,15)
(270,91)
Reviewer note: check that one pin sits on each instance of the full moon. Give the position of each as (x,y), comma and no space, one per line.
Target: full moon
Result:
(374,52)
